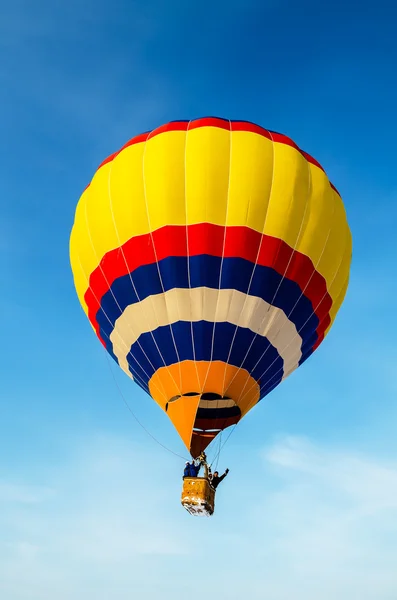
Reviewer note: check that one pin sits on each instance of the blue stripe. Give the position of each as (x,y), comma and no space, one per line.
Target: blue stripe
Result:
(203,331)
(139,376)
(205,272)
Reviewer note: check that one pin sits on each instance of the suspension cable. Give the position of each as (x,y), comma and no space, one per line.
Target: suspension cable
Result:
(134,415)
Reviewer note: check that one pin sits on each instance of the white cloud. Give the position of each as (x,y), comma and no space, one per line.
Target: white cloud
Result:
(316,522)
(367,482)
(97,516)
(334,520)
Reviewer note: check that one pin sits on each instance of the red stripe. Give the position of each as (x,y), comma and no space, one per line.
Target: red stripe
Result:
(173,126)
(108,159)
(213,240)
(142,137)
(211,122)
(334,188)
(251,128)
(311,159)
(221,124)
(321,337)
(219,423)
(284,139)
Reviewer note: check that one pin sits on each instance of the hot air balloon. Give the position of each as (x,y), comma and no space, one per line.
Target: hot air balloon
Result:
(211,258)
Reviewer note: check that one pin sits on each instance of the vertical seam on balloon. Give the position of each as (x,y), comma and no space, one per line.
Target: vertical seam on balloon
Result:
(256,262)
(188,260)
(223,253)
(338,300)
(136,377)
(314,270)
(335,303)
(271,304)
(189,280)
(111,291)
(274,375)
(342,260)
(237,326)
(129,274)
(300,329)
(250,282)
(224,239)
(321,255)
(157,263)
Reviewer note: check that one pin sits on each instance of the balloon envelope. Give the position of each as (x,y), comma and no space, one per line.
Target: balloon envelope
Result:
(211,258)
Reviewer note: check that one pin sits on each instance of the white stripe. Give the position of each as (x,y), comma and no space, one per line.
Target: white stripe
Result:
(214,306)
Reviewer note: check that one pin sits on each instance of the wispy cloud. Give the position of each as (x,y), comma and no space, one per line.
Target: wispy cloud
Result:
(316,521)
(370,485)
(98,515)
(334,519)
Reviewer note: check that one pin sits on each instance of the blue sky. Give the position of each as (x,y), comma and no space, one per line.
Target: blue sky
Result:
(89,505)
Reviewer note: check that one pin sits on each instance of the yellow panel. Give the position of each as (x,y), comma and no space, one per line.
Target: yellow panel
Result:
(79,278)
(321,205)
(82,256)
(333,257)
(337,304)
(287,210)
(117,191)
(207,174)
(164,178)
(341,280)
(99,221)
(127,195)
(344,267)
(251,177)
